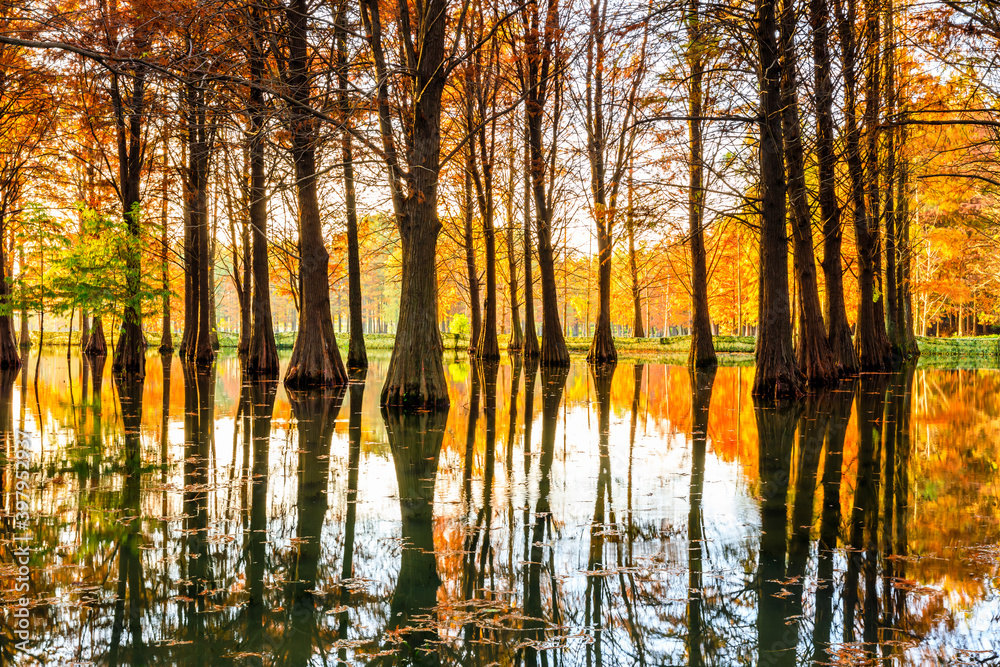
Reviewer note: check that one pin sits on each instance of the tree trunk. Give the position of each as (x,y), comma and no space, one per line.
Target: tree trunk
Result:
(871,342)
(602,346)
(516,341)
(24,340)
(415,377)
(702,354)
(315,359)
(213,326)
(130,355)
(9,357)
(838,328)
(166,339)
(776,372)
(904,294)
(530,345)
(200,350)
(190,282)
(815,358)
(262,355)
(544,82)
(472,272)
(357,355)
(637,328)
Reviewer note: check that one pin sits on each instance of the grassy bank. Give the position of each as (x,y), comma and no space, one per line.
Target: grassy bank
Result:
(940,350)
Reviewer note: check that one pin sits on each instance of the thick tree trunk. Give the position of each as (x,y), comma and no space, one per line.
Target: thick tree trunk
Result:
(838,328)
(475,315)
(702,354)
(814,355)
(97,345)
(543,82)
(530,346)
(415,378)
(9,357)
(553,351)
(776,372)
(602,346)
(262,355)
(130,355)
(315,359)
(873,176)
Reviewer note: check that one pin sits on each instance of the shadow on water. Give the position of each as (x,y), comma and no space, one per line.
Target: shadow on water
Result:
(653,516)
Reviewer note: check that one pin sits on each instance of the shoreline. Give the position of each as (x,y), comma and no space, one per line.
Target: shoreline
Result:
(732,350)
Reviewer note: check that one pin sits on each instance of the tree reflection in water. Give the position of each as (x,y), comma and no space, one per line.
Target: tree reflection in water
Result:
(790,535)
(415,442)
(315,413)
(129,591)
(553,383)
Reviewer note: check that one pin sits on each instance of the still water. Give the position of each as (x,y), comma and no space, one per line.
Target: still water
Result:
(640,516)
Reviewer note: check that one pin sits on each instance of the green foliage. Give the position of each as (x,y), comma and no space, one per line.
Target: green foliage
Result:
(460,325)
(99,269)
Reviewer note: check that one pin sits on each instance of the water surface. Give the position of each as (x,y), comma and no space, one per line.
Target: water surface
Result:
(639,515)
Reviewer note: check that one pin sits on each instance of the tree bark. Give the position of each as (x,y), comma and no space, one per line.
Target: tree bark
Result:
(24,340)
(637,327)
(871,342)
(475,315)
(357,355)
(199,350)
(9,357)
(130,355)
(516,342)
(543,84)
(702,354)
(904,294)
(166,339)
(315,359)
(776,372)
(815,357)
(415,377)
(213,326)
(838,328)
(602,346)
(262,355)
(530,345)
